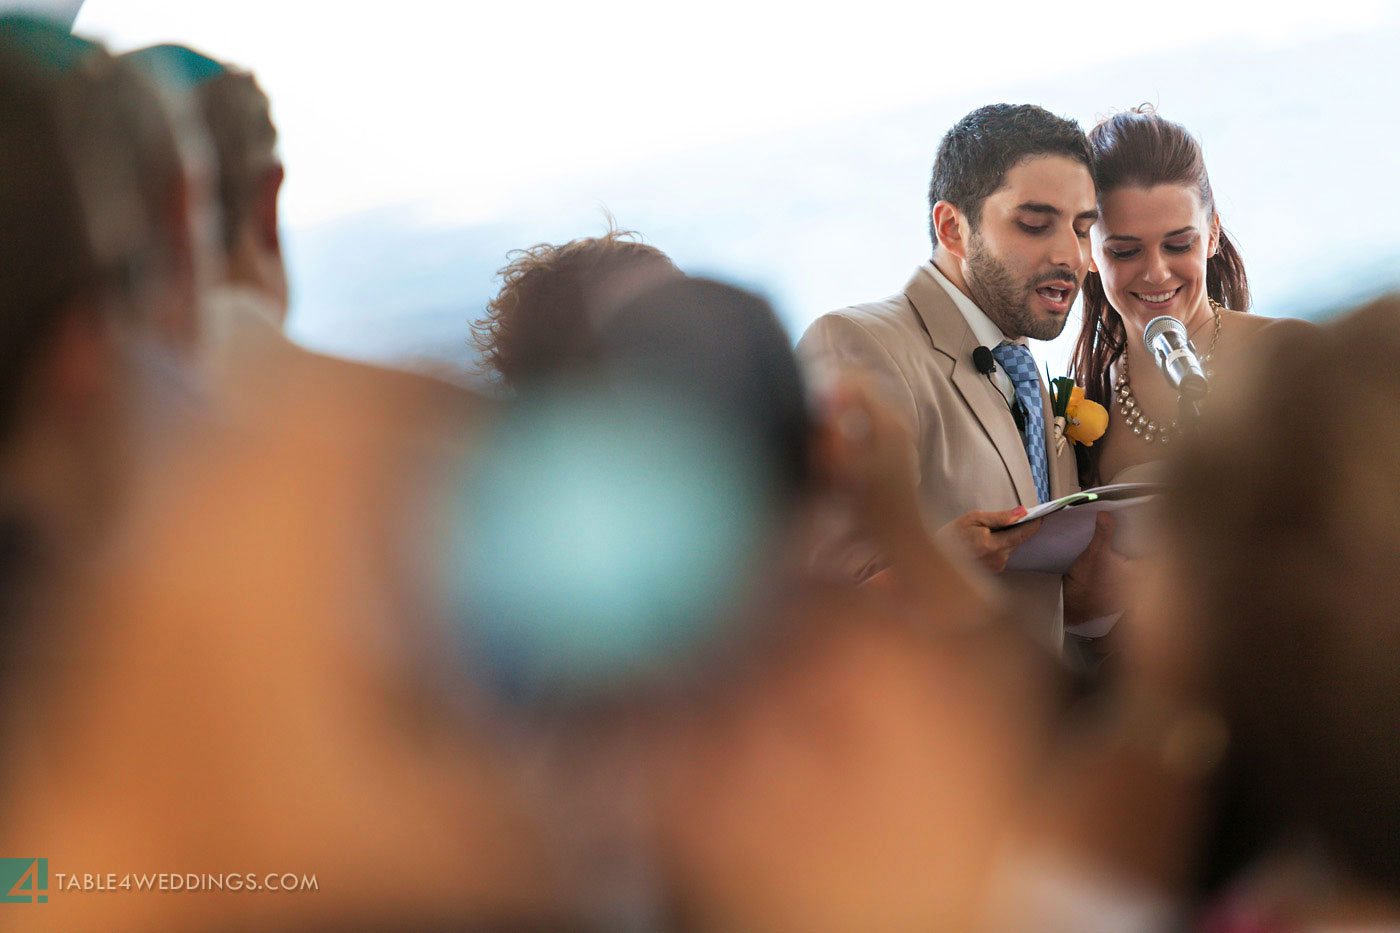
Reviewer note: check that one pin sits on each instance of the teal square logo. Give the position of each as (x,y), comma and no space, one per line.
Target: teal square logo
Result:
(24,881)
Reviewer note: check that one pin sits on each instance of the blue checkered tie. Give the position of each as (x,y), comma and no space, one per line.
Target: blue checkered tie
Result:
(1017,362)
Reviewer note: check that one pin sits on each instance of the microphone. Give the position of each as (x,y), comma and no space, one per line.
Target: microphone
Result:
(986,365)
(1166,342)
(984,361)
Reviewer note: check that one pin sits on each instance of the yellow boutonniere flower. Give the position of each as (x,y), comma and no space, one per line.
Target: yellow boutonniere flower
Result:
(1076,418)
(1085,419)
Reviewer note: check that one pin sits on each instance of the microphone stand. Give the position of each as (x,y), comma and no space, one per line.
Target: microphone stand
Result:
(1188,412)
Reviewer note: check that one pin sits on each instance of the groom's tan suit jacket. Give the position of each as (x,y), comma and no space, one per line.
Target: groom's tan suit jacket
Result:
(916,348)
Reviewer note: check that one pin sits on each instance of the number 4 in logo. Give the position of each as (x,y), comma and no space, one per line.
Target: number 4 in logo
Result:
(32,885)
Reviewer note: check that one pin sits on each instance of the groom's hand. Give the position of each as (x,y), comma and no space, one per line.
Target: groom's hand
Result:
(980,534)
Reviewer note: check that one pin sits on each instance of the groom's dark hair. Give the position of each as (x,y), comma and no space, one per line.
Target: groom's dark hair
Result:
(976,154)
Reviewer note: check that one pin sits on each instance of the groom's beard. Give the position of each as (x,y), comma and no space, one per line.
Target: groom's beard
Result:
(1006,301)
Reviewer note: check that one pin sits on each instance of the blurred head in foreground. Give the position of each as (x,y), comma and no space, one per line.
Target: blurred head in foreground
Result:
(251,680)
(543,318)
(621,509)
(241,680)
(1286,532)
(733,745)
(97,287)
(237,116)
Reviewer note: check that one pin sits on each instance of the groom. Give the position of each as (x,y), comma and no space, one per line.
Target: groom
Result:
(1011,202)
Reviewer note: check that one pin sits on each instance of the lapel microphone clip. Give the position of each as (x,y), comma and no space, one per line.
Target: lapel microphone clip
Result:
(984,361)
(986,365)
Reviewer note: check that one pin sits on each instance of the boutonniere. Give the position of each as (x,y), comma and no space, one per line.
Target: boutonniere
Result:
(1077,418)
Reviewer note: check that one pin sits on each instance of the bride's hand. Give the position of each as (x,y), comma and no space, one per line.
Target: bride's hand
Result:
(1099,583)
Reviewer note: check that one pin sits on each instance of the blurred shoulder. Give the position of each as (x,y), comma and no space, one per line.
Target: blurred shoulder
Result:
(405,395)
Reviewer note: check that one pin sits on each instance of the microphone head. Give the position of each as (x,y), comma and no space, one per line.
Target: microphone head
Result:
(1159,326)
(984,361)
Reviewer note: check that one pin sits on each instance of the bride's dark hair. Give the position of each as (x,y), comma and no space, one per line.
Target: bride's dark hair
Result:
(1140,149)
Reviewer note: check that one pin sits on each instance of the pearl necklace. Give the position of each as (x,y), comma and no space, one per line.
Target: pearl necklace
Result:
(1133,415)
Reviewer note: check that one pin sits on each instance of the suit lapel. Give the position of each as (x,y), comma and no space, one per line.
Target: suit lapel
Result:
(951,335)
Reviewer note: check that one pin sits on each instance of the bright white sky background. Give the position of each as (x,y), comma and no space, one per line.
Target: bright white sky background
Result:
(476,103)
(784,146)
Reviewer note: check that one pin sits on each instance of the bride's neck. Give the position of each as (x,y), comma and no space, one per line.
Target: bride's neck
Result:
(1200,315)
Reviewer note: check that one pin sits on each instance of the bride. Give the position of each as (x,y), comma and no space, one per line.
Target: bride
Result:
(1157,249)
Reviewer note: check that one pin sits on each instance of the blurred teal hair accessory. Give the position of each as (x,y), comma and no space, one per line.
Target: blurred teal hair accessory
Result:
(48,43)
(602,539)
(179,65)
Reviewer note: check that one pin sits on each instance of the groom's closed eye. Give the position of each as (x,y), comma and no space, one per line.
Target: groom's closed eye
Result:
(1038,229)
(1045,214)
